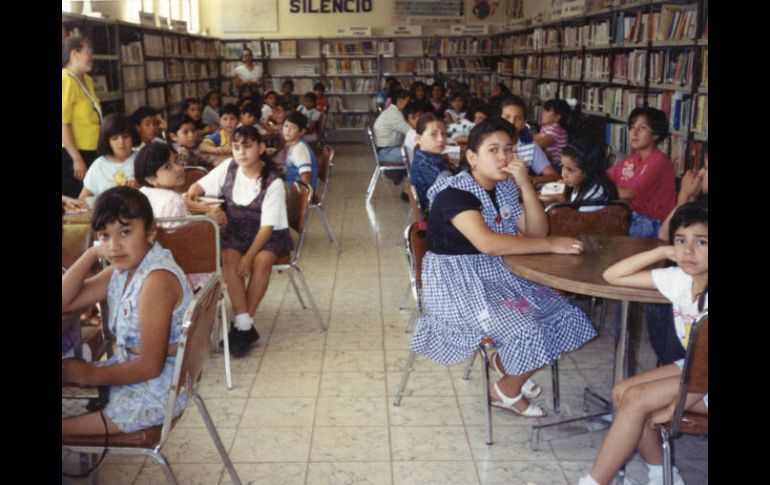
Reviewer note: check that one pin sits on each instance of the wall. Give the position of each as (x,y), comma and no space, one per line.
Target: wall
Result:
(315,25)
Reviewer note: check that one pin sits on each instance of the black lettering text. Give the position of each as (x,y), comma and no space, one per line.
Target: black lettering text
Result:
(294,6)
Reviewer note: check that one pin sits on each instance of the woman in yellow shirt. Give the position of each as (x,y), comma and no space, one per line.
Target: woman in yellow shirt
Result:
(81,114)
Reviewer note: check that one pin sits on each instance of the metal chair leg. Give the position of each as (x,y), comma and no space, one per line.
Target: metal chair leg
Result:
(310,298)
(555,385)
(328,227)
(217,440)
(404,378)
(296,290)
(372,185)
(407,292)
(487,401)
(167,472)
(412,322)
(668,471)
(469,366)
(226,341)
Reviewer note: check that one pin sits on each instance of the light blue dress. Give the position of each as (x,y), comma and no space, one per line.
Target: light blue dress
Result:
(142,405)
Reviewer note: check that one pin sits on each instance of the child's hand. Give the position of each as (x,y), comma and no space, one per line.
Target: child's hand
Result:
(518,169)
(691,186)
(244,265)
(225,150)
(191,196)
(566,245)
(218,215)
(76,371)
(133,184)
(79,169)
(667,252)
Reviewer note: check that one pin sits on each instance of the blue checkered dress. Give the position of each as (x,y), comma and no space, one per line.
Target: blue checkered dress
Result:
(468,297)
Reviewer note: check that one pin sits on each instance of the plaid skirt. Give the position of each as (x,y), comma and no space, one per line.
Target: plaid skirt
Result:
(469,297)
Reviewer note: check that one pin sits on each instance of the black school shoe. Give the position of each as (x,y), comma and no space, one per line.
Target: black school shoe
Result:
(240,341)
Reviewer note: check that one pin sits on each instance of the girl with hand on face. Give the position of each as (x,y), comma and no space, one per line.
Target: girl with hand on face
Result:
(475,218)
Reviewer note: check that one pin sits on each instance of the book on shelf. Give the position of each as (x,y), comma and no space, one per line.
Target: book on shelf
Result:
(131,53)
(696,154)
(676,148)
(133,77)
(133,100)
(100,83)
(547,90)
(704,73)
(386,48)
(597,66)
(616,137)
(171,46)
(700,117)
(175,93)
(672,66)
(153,45)
(156,97)
(675,22)
(155,71)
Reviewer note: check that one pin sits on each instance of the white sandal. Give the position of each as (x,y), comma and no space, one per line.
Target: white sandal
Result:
(530,389)
(507,403)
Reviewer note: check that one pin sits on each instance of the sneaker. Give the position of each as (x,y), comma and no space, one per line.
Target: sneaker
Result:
(241,340)
(656,478)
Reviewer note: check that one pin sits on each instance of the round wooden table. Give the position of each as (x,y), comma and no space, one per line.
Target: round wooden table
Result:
(582,274)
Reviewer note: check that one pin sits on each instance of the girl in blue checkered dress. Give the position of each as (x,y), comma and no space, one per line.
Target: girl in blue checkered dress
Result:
(475,218)
(147,295)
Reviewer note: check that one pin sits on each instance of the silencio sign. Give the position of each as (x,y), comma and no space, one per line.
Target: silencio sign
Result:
(330,6)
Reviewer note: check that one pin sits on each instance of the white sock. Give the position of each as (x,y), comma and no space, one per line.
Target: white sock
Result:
(243,321)
(588,480)
(655,473)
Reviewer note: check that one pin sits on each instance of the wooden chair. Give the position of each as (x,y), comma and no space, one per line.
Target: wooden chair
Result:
(416,247)
(414,215)
(324,174)
(194,242)
(380,167)
(695,378)
(191,175)
(567,220)
(298,208)
(192,354)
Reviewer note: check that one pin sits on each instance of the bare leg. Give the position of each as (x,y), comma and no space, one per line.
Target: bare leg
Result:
(261,269)
(90,423)
(670,370)
(235,286)
(511,384)
(628,427)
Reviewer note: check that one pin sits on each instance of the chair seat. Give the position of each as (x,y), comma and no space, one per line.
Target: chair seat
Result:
(693,423)
(283,260)
(144,438)
(392,164)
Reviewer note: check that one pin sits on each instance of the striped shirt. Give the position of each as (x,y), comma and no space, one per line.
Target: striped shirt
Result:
(390,127)
(553,152)
(533,155)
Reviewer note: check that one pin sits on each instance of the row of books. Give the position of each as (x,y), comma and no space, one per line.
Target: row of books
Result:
(349,120)
(133,77)
(348,66)
(676,105)
(597,66)
(176,70)
(572,67)
(131,53)
(301,86)
(700,118)
(362,48)
(458,46)
(351,84)
(406,83)
(630,66)
(675,22)
(280,48)
(672,67)
(616,102)
(567,91)
(156,97)
(704,73)
(153,45)
(133,100)
(516,43)
(547,90)
(386,48)
(419,66)
(527,66)
(545,38)
(235,49)
(198,47)
(597,33)
(195,89)
(550,66)
(616,137)
(524,87)
(463,65)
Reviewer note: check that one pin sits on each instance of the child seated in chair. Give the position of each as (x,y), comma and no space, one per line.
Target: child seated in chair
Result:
(583,166)
(115,166)
(257,231)
(149,295)
(301,161)
(218,143)
(182,135)
(649,398)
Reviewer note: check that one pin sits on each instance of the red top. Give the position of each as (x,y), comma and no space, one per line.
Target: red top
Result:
(652,181)
(320,103)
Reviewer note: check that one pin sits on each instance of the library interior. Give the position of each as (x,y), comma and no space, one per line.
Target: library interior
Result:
(420,181)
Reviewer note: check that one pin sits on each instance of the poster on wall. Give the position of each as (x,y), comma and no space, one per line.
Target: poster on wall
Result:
(486,10)
(429,12)
(250,16)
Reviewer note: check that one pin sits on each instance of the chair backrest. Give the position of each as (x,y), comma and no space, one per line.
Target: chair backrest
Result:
(405,158)
(298,201)
(414,201)
(194,242)
(193,347)
(191,175)
(694,376)
(416,247)
(567,220)
(324,173)
(76,239)
(374,146)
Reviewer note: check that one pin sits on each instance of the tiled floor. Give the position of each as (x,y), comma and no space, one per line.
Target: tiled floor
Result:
(312,407)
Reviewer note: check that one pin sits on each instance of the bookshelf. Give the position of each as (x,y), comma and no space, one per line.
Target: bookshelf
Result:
(641,53)
(136,65)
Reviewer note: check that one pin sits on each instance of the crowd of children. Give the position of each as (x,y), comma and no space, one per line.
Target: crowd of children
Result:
(477,210)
